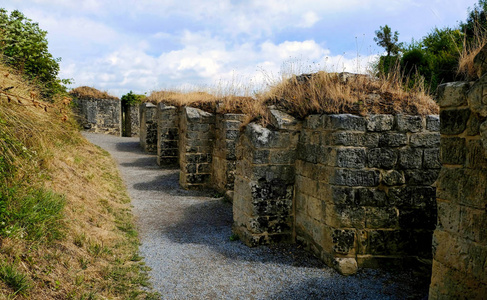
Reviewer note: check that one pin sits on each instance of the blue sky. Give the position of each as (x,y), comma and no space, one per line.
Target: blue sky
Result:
(146,45)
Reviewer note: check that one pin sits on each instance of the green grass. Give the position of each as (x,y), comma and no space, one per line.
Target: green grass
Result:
(15,279)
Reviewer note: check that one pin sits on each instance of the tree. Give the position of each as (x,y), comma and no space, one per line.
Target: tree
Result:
(386,40)
(475,26)
(24,46)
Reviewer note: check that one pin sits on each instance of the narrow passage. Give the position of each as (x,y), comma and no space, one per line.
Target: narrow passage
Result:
(185,239)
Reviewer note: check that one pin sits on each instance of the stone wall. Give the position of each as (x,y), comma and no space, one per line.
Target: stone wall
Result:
(196,135)
(364,192)
(130,120)
(148,127)
(224,157)
(100,115)
(460,238)
(263,209)
(167,135)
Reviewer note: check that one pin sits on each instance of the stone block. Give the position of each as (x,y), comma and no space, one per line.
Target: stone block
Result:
(433,123)
(454,121)
(393,177)
(421,176)
(260,156)
(431,159)
(473,125)
(344,196)
(453,151)
(447,186)
(477,101)
(448,216)
(381,217)
(350,158)
(410,158)
(270,225)
(282,157)
(313,122)
(473,224)
(475,157)
(393,139)
(344,216)
(343,241)
(472,188)
(380,122)
(355,139)
(412,196)
(344,122)
(353,177)
(284,121)
(346,265)
(370,197)
(427,140)
(453,94)
(382,158)
(408,123)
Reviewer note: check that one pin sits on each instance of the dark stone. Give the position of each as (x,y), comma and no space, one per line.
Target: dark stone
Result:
(343,195)
(343,240)
(197,178)
(191,168)
(260,157)
(453,151)
(428,140)
(381,217)
(454,121)
(433,123)
(351,177)
(392,139)
(350,158)
(382,158)
(370,197)
(432,159)
(410,158)
(232,134)
(417,218)
(408,123)
(344,122)
(412,196)
(421,177)
(355,139)
(476,156)
(473,125)
(393,177)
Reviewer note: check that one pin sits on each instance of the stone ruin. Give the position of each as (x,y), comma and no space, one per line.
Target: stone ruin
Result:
(356,191)
(99,115)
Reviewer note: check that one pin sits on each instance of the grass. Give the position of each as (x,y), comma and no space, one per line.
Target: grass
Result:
(60,230)
(466,65)
(317,93)
(91,93)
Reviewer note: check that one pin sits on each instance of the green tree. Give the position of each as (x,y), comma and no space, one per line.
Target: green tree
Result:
(388,40)
(24,46)
(475,26)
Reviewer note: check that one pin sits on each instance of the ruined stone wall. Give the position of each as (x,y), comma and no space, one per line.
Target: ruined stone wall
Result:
(196,135)
(100,115)
(167,135)
(263,209)
(460,238)
(364,192)
(224,159)
(148,127)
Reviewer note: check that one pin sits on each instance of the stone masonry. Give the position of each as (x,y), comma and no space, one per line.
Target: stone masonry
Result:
(168,135)
(148,127)
(364,194)
(263,209)
(460,238)
(100,115)
(196,135)
(224,160)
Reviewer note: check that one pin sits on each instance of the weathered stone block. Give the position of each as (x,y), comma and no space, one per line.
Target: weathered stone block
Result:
(282,120)
(350,157)
(355,139)
(477,101)
(313,122)
(382,158)
(421,177)
(370,197)
(343,241)
(448,216)
(380,122)
(341,195)
(452,94)
(381,217)
(282,157)
(393,177)
(412,196)
(408,123)
(454,121)
(351,177)
(410,158)
(429,140)
(344,216)
(447,186)
(453,150)
(473,125)
(475,155)
(433,123)
(392,139)
(431,159)
(344,122)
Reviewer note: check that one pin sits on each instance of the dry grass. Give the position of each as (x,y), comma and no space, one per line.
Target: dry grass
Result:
(324,92)
(91,93)
(466,66)
(97,255)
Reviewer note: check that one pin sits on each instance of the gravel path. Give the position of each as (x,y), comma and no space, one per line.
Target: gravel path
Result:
(185,240)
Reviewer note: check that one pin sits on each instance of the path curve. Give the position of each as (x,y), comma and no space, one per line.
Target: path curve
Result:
(185,240)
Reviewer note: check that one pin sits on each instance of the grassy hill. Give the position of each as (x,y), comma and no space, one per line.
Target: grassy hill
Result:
(66,228)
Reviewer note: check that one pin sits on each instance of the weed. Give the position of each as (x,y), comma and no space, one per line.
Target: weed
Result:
(15,279)
(234,237)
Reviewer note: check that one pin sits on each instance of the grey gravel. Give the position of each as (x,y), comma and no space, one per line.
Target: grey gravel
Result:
(185,241)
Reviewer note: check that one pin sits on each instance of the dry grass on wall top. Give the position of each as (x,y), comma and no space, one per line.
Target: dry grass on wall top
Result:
(320,92)
(86,92)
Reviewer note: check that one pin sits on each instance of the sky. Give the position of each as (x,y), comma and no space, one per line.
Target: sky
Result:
(148,45)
